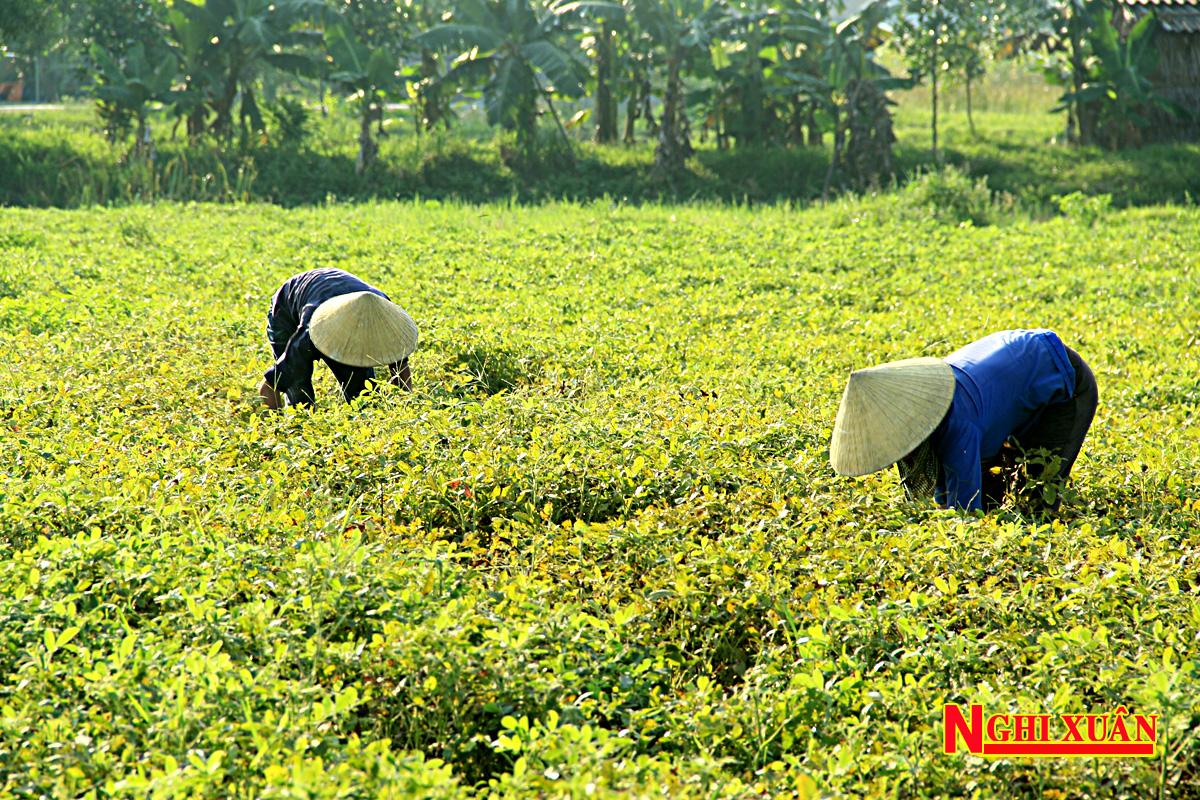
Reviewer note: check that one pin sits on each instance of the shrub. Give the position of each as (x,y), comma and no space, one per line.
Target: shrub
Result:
(291,120)
(1084,209)
(950,195)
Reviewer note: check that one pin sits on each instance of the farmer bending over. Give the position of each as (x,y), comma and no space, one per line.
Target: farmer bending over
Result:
(954,426)
(352,326)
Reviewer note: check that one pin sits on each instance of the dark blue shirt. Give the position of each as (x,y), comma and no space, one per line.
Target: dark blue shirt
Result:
(287,330)
(1002,383)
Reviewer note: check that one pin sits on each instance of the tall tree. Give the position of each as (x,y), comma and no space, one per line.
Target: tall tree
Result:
(970,43)
(924,28)
(108,35)
(516,49)
(634,78)
(682,31)
(428,88)
(852,88)
(366,73)
(225,44)
(364,43)
(797,78)
(1117,92)
(600,25)
(131,85)
(1061,30)
(743,62)
(27,26)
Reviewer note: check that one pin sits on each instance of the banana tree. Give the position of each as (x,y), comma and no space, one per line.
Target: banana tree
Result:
(1062,29)
(226,43)
(366,29)
(682,32)
(636,79)
(633,74)
(1117,86)
(601,26)
(740,104)
(191,42)
(851,88)
(428,88)
(514,49)
(367,74)
(132,85)
(799,64)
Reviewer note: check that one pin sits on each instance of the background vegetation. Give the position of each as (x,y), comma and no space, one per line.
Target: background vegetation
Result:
(57,158)
(298,101)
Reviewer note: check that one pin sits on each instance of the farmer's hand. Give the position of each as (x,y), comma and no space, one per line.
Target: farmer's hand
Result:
(273,399)
(402,376)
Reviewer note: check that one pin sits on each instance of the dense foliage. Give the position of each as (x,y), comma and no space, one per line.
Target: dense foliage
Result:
(599,549)
(59,159)
(747,72)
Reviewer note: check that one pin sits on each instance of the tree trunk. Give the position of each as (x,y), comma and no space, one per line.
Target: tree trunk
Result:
(196,121)
(195,124)
(671,152)
(970,117)
(367,148)
(838,136)
(1083,120)
(143,145)
(815,137)
(647,109)
(631,115)
(222,124)
(527,126)
(753,122)
(248,111)
(933,95)
(429,93)
(867,139)
(606,107)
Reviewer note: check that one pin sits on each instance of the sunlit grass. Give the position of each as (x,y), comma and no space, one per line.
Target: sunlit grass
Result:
(599,550)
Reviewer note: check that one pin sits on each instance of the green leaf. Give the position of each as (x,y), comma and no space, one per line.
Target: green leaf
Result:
(381,68)
(559,66)
(66,636)
(511,86)
(462,37)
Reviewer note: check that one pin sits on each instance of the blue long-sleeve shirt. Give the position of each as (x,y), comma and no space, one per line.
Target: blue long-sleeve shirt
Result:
(1002,383)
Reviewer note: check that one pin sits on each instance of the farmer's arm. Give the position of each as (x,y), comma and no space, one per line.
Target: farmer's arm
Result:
(401,375)
(961,463)
(291,375)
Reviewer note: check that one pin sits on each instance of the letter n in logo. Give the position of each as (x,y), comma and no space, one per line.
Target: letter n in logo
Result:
(954,724)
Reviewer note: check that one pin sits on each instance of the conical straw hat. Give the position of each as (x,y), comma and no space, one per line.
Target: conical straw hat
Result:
(887,411)
(362,329)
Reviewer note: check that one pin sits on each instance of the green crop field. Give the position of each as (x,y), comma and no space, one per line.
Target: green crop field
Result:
(599,550)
